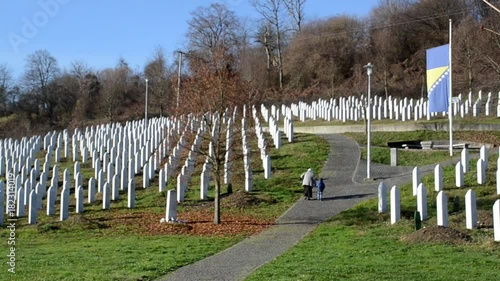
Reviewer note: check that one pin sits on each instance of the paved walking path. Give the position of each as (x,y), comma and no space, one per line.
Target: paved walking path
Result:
(346,185)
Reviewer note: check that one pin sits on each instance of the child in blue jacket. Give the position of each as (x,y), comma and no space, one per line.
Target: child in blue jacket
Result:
(320,187)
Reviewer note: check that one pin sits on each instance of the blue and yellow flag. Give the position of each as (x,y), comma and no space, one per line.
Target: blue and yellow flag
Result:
(438,78)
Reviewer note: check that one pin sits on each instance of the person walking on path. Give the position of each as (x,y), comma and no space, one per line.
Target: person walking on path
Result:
(308,182)
(320,187)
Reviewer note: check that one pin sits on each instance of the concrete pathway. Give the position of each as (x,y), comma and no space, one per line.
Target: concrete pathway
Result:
(346,185)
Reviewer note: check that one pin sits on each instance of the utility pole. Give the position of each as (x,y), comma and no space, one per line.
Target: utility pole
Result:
(146,105)
(179,79)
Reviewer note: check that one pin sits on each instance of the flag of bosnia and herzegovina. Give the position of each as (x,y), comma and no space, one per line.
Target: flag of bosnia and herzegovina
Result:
(438,78)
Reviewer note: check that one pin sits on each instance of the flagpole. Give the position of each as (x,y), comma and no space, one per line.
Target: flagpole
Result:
(450,113)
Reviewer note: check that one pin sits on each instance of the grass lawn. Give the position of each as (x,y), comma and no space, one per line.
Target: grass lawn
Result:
(131,244)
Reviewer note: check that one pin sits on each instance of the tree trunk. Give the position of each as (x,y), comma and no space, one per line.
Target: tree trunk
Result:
(268,66)
(217,203)
(280,58)
(386,85)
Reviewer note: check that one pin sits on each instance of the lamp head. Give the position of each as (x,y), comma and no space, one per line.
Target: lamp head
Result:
(369,68)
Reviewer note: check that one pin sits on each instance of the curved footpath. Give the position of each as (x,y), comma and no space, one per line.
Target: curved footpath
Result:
(346,185)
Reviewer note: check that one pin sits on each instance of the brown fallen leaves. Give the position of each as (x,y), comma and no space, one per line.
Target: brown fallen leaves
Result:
(192,222)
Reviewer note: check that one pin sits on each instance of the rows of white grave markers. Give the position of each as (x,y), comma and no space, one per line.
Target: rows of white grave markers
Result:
(247,163)
(117,154)
(262,144)
(420,191)
(404,109)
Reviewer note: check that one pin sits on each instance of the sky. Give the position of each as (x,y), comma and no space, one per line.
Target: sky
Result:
(100,32)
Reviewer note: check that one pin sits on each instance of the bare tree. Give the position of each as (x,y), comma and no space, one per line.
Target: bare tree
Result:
(5,88)
(79,69)
(41,69)
(213,28)
(115,84)
(158,75)
(272,12)
(295,9)
(266,38)
(466,55)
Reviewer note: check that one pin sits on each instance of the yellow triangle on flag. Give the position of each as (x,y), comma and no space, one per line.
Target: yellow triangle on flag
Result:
(433,76)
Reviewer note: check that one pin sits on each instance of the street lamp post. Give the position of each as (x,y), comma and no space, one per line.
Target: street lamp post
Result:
(146,106)
(369,69)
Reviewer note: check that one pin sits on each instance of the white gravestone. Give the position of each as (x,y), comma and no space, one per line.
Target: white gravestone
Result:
(20,202)
(145,176)
(496,219)
(51,200)
(91,193)
(64,206)
(171,209)
(161,181)
(498,180)
(26,191)
(123,178)
(470,209)
(39,194)
(204,182)
(459,175)
(110,172)
(267,167)
(106,196)
(442,209)
(438,178)
(382,198)
(422,201)
(115,186)
(415,180)
(79,199)
(100,181)
(76,169)
(180,188)
(131,194)
(395,205)
(32,208)
(483,152)
(464,159)
(481,171)
(248,180)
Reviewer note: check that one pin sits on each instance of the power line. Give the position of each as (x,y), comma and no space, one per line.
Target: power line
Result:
(352,30)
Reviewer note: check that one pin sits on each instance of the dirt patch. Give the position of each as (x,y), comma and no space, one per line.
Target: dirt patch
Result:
(438,234)
(240,200)
(484,219)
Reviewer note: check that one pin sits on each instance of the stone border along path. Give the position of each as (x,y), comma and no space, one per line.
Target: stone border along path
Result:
(344,175)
